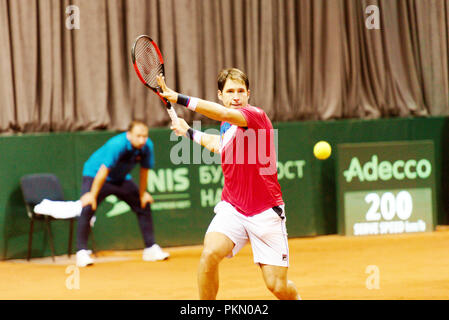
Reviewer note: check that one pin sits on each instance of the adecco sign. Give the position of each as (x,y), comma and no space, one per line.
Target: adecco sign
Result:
(385,170)
(386,187)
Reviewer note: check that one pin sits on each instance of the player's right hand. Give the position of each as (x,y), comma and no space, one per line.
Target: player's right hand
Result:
(89,199)
(180,128)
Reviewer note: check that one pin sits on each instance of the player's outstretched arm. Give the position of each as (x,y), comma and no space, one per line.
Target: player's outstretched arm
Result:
(209,109)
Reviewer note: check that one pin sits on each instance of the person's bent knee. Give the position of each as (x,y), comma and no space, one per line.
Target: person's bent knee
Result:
(210,258)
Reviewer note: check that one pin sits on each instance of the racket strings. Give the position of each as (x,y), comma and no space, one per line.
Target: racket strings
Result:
(148,63)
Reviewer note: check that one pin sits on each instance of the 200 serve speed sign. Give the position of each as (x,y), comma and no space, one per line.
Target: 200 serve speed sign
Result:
(385,188)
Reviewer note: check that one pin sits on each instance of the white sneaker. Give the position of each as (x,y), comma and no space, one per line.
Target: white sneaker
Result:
(154,253)
(83,258)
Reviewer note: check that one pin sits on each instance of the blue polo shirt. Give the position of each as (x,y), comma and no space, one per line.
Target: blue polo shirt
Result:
(119,156)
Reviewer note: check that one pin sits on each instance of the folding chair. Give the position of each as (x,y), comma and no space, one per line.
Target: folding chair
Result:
(35,188)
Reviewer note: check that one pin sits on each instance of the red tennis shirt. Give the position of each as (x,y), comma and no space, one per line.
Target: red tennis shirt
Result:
(248,161)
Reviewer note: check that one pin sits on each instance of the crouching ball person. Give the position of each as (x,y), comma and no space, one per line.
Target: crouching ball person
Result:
(107,172)
(251,206)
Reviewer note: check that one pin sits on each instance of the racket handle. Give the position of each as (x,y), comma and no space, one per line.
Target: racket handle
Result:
(172,113)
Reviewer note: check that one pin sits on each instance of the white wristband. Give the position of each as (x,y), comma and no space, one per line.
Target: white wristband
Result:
(197,136)
(192,103)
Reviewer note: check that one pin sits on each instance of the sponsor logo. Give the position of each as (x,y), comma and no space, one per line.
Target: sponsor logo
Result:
(374,169)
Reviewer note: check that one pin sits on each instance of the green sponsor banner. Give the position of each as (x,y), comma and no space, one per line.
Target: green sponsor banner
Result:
(185,193)
(386,188)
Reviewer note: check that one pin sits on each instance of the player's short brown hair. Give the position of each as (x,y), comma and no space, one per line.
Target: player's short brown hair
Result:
(134,123)
(234,74)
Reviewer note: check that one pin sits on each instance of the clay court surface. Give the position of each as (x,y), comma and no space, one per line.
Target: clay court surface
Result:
(413,266)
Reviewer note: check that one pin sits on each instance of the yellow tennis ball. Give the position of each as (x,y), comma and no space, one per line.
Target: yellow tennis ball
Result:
(322,150)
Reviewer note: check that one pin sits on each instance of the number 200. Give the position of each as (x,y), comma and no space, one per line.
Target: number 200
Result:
(402,205)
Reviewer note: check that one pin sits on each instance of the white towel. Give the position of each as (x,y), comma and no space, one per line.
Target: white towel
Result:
(59,209)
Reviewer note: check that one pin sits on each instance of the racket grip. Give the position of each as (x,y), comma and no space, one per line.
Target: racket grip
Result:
(172,113)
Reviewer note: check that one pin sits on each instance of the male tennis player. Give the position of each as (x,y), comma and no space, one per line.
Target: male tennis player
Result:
(252,208)
(107,172)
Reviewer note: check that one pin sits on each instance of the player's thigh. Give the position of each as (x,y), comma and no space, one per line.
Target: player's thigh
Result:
(228,223)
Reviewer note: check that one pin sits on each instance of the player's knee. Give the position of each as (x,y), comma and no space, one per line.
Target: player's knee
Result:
(210,257)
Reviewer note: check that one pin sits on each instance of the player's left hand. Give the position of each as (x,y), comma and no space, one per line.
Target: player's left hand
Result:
(146,198)
(167,93)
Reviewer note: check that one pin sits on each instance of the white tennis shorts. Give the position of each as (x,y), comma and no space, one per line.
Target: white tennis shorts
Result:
(266,232)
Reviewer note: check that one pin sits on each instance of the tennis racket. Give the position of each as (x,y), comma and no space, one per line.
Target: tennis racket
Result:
(148,64)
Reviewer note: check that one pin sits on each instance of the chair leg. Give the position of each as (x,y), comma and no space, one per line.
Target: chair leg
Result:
(30,238)
(47,223)
(70,238)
